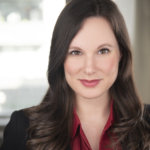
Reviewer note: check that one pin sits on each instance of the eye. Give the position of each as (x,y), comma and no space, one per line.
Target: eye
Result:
(104,51)
(75,52)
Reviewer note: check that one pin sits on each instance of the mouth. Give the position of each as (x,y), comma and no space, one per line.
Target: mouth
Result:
(90,83)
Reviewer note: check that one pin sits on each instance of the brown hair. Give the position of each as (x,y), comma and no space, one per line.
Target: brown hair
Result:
(51,121)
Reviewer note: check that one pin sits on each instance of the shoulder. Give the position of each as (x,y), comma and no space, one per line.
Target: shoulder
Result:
(15,133)
(19,117)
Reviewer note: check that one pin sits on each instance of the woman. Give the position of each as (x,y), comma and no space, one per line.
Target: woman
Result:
(91,103)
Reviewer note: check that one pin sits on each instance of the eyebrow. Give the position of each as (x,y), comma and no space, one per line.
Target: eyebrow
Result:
(100,46)
(75,47)
(105,45)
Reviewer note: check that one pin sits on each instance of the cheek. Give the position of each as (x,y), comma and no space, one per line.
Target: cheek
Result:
(71,66)
(110,66)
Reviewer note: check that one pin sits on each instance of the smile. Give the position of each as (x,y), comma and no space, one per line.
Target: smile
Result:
(90,83)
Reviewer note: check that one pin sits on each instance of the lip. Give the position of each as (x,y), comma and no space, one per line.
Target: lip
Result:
(90,83)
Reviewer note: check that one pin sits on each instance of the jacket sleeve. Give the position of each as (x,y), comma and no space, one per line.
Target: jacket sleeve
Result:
(15,134)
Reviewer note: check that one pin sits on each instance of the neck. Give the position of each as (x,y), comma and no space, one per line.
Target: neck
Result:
(92,108)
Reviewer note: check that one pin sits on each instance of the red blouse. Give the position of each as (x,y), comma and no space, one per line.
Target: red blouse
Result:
(79,140)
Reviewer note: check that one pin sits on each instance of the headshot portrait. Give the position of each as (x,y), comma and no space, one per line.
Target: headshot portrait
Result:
(92,101)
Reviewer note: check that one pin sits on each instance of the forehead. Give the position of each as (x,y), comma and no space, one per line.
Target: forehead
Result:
(94,30)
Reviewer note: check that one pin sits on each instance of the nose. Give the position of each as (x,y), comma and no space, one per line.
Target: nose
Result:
(89,65)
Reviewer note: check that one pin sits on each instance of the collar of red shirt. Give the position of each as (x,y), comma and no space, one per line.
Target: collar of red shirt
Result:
(77,124)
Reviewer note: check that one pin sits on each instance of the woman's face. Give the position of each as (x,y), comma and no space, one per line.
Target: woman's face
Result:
(91,65)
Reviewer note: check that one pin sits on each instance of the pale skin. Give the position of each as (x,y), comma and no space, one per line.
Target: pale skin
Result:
(93,55)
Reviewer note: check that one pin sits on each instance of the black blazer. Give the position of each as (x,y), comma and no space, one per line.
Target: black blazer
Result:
(15,132)
(15,136)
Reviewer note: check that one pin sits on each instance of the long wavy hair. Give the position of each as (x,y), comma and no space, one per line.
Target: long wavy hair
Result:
(51,121)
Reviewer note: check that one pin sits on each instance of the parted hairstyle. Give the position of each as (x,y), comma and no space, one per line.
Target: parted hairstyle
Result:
(51,121)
